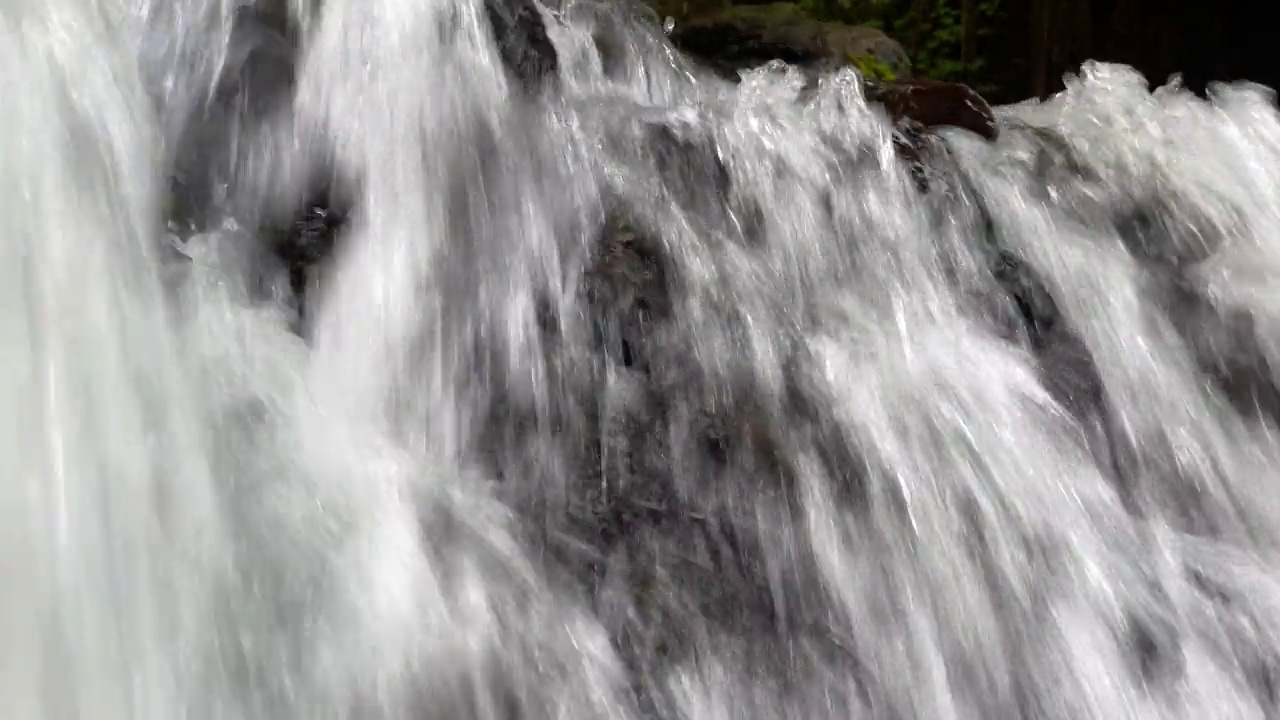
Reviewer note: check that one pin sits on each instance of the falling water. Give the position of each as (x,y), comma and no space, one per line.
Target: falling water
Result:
(601,387)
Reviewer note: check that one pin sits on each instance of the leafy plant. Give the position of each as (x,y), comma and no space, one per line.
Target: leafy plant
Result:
(938,34)
(873,68)
(864,12)
(931,30)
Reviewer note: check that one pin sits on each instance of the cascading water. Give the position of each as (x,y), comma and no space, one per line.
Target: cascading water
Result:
(626,391)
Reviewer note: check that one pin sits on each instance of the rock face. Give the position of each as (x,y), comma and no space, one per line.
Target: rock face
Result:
(936,104)
(742,37)
(728,41)
(520,33)
(306,241)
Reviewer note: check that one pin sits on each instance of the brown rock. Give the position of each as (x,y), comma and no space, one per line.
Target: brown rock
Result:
(936,104)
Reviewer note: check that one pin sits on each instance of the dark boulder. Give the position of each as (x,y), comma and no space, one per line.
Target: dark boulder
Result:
(628,287)
(916,107)
(740,37)
(935,104)
(520,32)
(309,238)
(259,77)
(306,243)
(743,37)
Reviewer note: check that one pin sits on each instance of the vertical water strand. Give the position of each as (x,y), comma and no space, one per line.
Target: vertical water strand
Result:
(118,503)
(433,286)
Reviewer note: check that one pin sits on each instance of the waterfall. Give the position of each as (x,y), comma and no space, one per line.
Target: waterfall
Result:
(398,359)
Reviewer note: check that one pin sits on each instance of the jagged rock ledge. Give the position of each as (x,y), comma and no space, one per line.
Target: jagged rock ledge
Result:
(741,37)
(738,39)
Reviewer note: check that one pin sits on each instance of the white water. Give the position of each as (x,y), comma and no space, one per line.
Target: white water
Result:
(831,475)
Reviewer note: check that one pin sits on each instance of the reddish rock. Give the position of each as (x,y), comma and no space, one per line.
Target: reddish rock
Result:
(936,104)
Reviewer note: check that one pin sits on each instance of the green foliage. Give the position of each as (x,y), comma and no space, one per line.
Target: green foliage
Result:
(931,30)
(938,35)
(683,9)
(862,12)
(873,68)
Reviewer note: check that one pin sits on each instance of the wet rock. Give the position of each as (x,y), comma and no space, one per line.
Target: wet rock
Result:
(737,38)
(1041,317)
(690,168)
(1171,232)
(917,108)
(924,153)
(311,236)
(520,32)
(1228,346)
(934,104)
(678,168)
(307,242)
(308,239)
(687,161)
(627,288)
(1056,161)
(742,37)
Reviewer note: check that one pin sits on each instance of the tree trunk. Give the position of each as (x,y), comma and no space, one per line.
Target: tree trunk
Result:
(923,11)
(1040,17)
(969,37)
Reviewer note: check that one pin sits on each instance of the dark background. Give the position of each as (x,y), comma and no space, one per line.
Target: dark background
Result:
(1014,49)
(1205,42)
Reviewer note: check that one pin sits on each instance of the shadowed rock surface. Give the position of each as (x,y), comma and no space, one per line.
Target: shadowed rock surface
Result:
(935,104)
(519,31)
(746,36)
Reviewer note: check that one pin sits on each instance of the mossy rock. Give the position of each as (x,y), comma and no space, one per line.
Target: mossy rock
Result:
(683,10)
(739,37)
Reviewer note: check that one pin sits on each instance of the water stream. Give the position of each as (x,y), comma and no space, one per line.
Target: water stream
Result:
(624,391)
